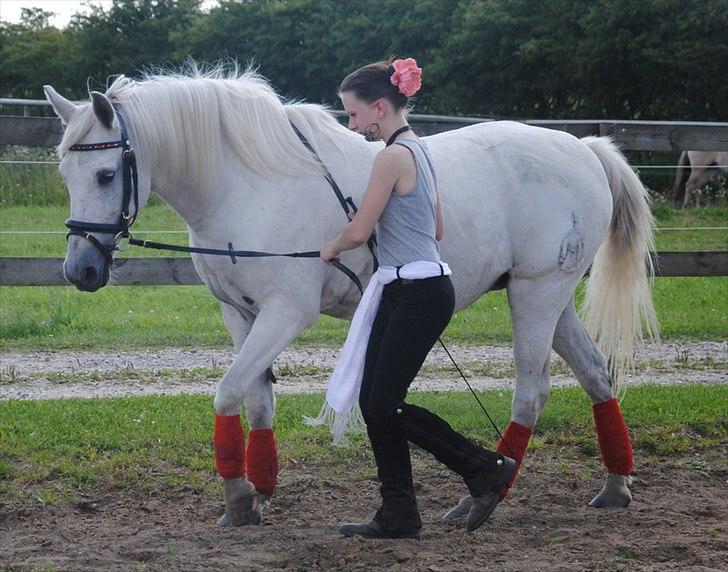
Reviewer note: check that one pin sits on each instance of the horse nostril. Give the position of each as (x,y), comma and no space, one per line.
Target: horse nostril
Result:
(89,276)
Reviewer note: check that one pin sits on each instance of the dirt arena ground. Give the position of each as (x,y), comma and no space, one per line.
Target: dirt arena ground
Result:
(678,520)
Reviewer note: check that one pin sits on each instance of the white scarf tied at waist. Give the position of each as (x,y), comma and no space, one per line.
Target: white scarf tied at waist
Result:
(341,409)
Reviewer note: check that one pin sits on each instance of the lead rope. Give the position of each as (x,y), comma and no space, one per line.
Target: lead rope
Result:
(500,435)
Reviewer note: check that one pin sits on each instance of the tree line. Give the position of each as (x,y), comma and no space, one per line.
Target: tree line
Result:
(626,59)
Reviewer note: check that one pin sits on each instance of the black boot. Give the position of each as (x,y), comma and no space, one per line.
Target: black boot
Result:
(374,530)
(484,503)
(478,467)
(484,472)
(398,516)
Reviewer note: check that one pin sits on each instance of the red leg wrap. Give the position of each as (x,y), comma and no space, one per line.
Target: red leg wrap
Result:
(261,457)
(614,442)
(229,443)
(517,437)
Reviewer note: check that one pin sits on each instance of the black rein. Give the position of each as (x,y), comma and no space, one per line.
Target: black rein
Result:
(131,189)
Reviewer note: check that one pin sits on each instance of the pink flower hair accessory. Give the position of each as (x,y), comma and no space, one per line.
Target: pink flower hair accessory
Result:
(406,76)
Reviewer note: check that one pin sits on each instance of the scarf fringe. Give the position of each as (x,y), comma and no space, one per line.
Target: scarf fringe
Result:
(340,424)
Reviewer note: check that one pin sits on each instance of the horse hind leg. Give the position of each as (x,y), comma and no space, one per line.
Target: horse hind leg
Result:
(572,343)
(536,305)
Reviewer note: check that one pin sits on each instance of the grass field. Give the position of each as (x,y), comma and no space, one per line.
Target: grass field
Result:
(40,184)
(188,316)
(61,317)
(54,449)
(159,217)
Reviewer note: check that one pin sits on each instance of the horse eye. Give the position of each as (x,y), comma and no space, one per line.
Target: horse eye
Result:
(105,176)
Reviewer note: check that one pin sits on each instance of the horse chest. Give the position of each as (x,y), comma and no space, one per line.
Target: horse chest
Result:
(227,284)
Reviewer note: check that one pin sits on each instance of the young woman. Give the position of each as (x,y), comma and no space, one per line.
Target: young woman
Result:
(402,202)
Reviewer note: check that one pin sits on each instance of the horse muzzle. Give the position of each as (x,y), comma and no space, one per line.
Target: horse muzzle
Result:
(85,267)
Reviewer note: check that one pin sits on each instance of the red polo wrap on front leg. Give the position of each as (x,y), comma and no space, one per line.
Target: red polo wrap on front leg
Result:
(517,437)
(229,443)
(614,442)
(261,458)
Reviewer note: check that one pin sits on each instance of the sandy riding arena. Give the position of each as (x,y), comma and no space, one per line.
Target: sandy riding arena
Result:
(677,522)
(677,519)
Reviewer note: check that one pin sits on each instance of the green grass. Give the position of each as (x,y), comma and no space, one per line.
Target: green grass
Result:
(159,217)
(188,316)
(54,449)
(42,184)
(148,316)
(691,240)
(30,184)
(51,241)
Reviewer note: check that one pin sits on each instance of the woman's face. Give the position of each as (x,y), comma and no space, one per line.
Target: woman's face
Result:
(361,114)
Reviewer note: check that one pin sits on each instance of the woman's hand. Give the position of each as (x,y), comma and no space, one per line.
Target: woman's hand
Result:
(329,252)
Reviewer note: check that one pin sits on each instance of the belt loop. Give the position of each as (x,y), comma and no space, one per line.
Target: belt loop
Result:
(442,270)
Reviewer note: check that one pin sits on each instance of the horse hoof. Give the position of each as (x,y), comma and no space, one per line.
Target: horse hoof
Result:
(223,522)
(461,509)
(243,506)
(615,494)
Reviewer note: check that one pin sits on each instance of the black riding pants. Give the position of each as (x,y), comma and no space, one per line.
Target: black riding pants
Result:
(412,314)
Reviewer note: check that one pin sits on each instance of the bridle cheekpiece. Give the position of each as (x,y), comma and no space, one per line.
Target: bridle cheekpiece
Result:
(130,184)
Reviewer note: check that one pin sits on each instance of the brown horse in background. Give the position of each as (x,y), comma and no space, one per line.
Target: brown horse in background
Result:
(703,166)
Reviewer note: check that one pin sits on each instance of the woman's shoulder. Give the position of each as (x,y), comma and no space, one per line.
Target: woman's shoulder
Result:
(397,152)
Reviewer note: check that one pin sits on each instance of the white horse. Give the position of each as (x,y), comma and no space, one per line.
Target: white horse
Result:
(704,165)
(526,208)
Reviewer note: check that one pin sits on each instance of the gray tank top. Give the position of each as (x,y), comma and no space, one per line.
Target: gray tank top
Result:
(406,229)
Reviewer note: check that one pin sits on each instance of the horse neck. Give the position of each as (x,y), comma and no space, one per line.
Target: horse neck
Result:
(234,194)
(193,203)
(275,197)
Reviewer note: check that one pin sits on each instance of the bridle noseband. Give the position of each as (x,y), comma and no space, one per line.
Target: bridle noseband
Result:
(130,183)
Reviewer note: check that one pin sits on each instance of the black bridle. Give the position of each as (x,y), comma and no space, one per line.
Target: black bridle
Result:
(130,183)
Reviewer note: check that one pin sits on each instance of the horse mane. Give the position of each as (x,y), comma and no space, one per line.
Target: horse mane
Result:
(186,120)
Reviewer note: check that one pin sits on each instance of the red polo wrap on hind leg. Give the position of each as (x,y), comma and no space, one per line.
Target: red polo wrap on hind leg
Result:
(261,458)
(517,437)
(614,441)
(229,443)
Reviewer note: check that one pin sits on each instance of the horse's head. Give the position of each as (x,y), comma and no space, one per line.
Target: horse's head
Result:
(98,165)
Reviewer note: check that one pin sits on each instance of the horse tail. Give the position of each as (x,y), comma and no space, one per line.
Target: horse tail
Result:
(681,177)
(618,300)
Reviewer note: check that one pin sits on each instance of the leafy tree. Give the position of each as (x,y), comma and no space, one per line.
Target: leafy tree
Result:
(652,59)
(307,46)
(131,36)
(29,52)
(585,58)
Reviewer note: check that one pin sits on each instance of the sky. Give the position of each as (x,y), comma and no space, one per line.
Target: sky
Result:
(64,9)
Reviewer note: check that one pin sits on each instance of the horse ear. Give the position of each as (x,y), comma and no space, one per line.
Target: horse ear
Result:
(103,109)
(63,108)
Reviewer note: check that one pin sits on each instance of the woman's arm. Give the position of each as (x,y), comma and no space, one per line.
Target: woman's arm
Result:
(385,174)
(440,225)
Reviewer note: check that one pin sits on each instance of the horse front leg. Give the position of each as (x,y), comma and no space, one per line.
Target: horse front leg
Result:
(274,328)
